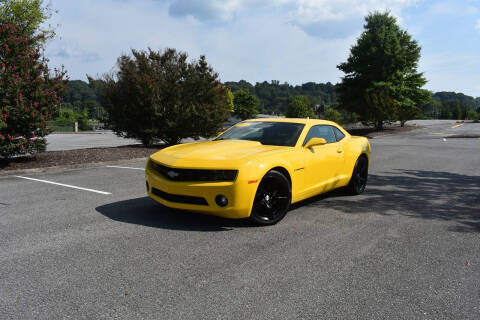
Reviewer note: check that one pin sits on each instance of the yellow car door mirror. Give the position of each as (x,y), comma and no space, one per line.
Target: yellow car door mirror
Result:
(315,142)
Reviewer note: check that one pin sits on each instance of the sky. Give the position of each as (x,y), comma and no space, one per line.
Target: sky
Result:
(294,41)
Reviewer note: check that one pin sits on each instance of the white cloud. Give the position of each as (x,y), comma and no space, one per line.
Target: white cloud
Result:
(320,18)
(306,10)
(211,10)
(72,51)
(327,19)
(320,10)
(256,47)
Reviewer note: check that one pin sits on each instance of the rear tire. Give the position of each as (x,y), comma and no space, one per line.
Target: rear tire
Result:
(358,181)
(272,199)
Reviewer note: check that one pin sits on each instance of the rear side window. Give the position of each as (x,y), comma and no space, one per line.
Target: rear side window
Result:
(321,131)
(338,134)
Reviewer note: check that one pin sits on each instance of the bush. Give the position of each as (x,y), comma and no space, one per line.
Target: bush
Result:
(472,115)
(159,95)
(245,105)
(333,115)
(83,122)
(29,92)
(299,107)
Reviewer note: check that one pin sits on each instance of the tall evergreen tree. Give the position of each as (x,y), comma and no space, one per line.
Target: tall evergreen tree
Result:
(381,81)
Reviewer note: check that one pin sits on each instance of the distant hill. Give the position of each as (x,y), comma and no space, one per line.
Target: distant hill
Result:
(445,96)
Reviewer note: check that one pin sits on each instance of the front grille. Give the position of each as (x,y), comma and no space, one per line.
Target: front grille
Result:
(179,198)
(193,175)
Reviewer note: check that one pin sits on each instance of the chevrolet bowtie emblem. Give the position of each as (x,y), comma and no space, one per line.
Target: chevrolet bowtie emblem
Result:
(172,174)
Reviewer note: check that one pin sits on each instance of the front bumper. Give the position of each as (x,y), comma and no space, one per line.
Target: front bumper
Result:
(189,195)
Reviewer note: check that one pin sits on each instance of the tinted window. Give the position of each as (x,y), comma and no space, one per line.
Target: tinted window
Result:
(324,132)
(267,133)
(339,134)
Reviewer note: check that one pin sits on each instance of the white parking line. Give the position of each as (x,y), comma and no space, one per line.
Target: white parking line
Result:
(64,185)
(132,168)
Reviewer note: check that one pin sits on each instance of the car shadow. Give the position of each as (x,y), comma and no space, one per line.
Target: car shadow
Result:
(144,211)
(430,195)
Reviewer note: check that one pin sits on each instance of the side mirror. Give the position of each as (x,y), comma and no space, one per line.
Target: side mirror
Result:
(315,142)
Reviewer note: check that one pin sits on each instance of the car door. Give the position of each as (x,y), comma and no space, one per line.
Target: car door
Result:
(341,141)
(323,164)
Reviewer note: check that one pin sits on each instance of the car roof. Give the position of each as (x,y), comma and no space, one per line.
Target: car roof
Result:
(295,120)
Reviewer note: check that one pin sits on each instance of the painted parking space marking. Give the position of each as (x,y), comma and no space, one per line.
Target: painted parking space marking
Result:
(64,185)
(131,168)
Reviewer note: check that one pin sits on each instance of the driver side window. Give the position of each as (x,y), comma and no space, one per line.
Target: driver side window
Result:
(321,131)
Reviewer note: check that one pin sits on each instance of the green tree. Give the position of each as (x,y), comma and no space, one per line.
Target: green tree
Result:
(92,108)
(432,109)
(160,95)
(299,107)
(29,92)
(32,14)
(333,115)
(66,115)
(273,96)
(445,112)
(381,81)
(458,112)
(245,105)
(472,115)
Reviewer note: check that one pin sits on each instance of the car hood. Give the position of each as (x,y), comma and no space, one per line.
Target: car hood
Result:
(211,154)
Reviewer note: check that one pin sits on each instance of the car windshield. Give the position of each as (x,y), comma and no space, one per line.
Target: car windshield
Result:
(267,133)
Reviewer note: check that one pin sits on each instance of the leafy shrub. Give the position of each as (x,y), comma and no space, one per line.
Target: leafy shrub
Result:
(299,107)
(333,115)
(245,105)
(160,95)
(29,92)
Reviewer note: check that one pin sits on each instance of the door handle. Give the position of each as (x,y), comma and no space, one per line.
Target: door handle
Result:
(339,150)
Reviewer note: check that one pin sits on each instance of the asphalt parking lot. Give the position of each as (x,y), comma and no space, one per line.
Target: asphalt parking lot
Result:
(408,248)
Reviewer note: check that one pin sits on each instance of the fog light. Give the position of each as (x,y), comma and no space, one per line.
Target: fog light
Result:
(221,200)
(148,187)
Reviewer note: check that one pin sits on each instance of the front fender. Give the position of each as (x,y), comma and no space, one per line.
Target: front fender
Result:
(257,169)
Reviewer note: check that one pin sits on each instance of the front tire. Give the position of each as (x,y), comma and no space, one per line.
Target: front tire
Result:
(358,181)
(272,200)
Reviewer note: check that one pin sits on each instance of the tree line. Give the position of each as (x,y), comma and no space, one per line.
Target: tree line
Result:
(273,97)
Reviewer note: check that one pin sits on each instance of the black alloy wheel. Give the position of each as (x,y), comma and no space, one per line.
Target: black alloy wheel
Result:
(272,200)
(358,182)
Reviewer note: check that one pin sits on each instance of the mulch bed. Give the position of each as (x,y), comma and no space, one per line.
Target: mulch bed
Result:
(76,157)
(371,133)
(95,155)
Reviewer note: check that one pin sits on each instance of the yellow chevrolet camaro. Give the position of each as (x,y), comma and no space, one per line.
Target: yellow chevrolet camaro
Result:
(258,168)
